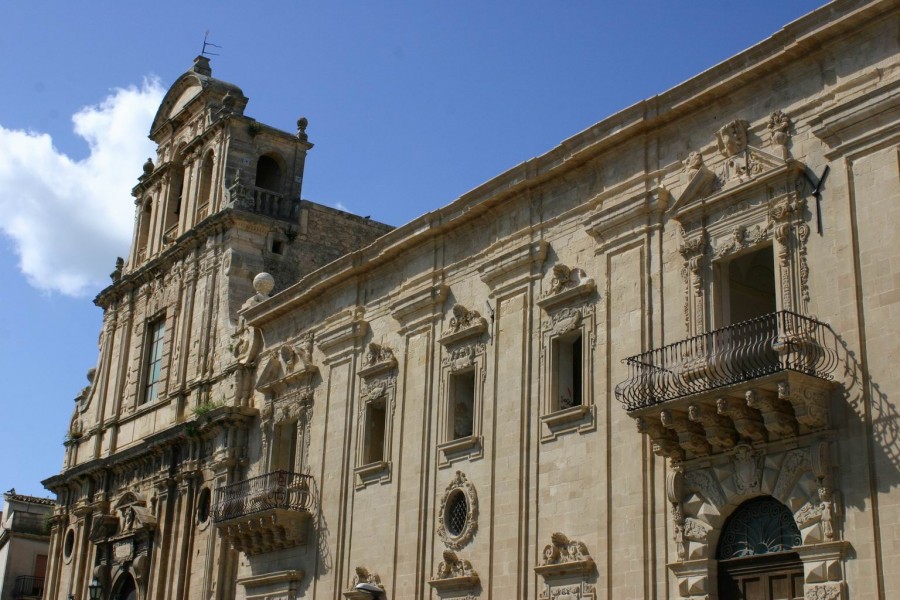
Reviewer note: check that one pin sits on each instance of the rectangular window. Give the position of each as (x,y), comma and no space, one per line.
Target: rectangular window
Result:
(462,404)
(284,452)
(375,429)
(155,333)
(568,365)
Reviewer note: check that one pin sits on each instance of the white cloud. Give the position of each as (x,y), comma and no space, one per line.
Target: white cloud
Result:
(70,219)
(340,206)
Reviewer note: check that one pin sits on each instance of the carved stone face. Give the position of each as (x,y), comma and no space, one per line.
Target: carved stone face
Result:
(732,138)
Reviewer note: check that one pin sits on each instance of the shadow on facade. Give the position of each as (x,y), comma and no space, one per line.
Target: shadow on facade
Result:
(878,417)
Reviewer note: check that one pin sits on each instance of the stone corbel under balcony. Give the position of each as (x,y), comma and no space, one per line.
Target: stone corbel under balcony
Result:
(766,409)
(265,513)
(266,531)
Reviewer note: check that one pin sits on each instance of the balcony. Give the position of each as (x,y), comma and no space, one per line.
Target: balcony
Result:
(760,380)
(27,586)
(264,202)
(266,513)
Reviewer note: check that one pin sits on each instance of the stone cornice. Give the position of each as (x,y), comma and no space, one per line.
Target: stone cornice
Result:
(153,443)
(797,39)
(195,237)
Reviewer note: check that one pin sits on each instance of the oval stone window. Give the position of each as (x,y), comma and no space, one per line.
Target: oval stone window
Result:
(456,514)
(69,544)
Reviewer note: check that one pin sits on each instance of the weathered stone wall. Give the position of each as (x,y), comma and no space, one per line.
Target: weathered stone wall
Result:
(617,238)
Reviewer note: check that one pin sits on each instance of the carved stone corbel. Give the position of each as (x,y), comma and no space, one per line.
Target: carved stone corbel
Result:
(719,429)
(691,436)
(747,422)
(777,415)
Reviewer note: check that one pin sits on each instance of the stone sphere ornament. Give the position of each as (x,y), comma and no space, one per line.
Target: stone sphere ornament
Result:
(264,284)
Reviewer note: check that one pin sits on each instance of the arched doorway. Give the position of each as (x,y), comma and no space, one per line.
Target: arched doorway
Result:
(756,553)
(125,589)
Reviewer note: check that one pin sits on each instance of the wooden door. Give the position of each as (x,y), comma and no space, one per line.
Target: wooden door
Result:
(767,577)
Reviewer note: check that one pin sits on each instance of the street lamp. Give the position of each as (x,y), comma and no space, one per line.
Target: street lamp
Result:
(95,590)
(368,588)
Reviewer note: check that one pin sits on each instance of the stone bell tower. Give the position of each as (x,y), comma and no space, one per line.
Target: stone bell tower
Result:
(163,418)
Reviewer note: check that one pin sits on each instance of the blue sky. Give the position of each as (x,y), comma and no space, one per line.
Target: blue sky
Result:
(410,105)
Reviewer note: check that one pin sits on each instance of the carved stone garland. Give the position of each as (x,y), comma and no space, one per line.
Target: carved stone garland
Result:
(459,485)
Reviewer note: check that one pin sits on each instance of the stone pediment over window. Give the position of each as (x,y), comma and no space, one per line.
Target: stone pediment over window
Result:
(103,527)
(568,285)
(378,359)
(137,518)
(454,573)
(737,165)
(563,557)
(286,365)
(362,575)
(464,324)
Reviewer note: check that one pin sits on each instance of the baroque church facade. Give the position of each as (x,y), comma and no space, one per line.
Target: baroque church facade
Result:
(655,362)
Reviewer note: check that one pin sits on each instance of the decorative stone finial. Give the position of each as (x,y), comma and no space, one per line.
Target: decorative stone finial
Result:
(263,284)
(148,166)
(201,66)
(117,272)
(302,123)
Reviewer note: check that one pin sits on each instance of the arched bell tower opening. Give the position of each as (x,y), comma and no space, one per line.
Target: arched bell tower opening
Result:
(268,174)
(755,553)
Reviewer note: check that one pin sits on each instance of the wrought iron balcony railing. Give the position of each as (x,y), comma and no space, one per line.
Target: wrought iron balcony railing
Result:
(781,341)
(275,490)
(27,586)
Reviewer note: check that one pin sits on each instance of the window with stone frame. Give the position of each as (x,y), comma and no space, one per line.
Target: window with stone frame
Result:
(153,356)
(462,386)
(376,410)
(567,333)
(743,232)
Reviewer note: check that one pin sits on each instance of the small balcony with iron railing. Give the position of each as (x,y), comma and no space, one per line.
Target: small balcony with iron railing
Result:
(760,380)
(27,587)
(265,513)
